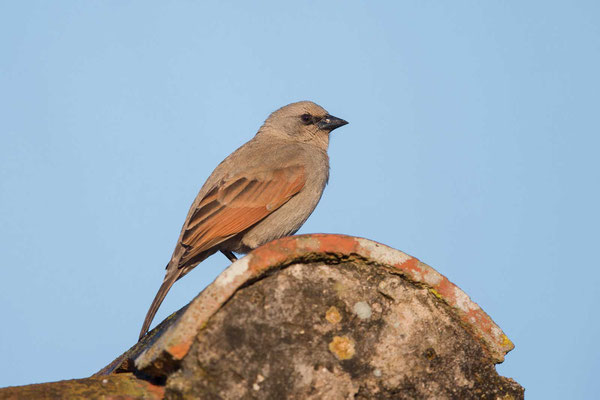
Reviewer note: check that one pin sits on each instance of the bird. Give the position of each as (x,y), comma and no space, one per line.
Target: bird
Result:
(264,190)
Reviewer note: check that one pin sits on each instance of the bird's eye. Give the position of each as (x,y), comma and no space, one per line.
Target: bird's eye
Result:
(306,118)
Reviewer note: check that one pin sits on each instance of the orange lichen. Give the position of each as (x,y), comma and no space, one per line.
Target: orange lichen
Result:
(342,347)
(333,315)
(179,350)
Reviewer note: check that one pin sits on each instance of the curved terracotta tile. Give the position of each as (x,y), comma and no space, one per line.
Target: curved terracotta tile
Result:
(174,342)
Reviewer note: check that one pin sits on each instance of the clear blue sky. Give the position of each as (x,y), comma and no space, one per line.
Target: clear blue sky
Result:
(473,145)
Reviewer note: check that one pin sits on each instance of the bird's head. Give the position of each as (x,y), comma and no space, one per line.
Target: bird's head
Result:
(303,121)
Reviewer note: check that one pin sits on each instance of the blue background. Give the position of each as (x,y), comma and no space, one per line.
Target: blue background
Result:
(473,145)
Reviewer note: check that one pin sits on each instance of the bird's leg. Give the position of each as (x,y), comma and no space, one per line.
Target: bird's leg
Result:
(229,255)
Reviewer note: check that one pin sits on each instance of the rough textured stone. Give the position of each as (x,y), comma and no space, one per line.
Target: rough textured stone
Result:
(297,334)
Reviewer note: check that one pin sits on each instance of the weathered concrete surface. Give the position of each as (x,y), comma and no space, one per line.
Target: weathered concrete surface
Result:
(161,351)
(322,317)
(346,331)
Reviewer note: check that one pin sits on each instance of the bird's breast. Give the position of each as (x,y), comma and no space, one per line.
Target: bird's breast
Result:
(288,218)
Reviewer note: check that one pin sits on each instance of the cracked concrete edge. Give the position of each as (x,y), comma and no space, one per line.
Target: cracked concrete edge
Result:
(173,342)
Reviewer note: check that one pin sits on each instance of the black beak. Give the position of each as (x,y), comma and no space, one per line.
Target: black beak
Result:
(329,123)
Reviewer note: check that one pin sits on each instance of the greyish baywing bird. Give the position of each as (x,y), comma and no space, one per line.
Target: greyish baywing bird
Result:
(263,191)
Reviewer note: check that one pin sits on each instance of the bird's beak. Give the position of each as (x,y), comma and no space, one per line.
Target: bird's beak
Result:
(329,123)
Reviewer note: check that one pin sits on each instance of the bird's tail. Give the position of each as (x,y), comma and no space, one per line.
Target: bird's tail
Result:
(169,280)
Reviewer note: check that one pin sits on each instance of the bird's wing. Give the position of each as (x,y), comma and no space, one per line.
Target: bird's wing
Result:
(235,204)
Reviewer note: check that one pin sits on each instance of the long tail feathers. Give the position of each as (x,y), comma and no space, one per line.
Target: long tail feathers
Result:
(158,299)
